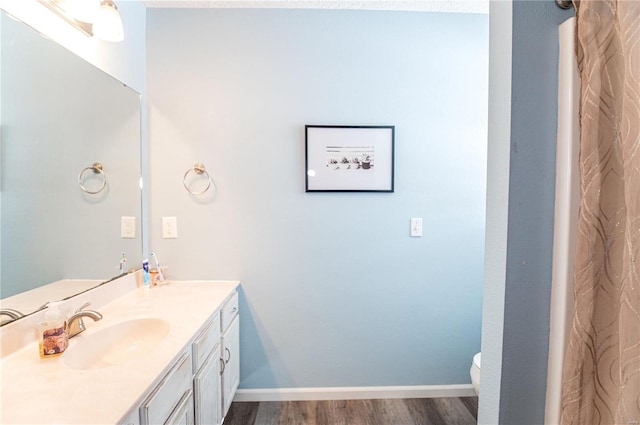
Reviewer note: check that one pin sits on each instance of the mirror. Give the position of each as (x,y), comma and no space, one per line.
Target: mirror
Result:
(59,116)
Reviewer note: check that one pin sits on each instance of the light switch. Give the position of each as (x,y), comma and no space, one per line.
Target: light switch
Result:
(169,227)
(416,227)
(127,227)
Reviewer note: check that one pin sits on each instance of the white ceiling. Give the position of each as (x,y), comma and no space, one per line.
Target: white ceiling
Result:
(457,6)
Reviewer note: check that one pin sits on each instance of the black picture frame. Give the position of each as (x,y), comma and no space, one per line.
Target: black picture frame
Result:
(346,158)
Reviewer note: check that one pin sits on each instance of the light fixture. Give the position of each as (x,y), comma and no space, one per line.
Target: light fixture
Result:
(92,17)
(108,23)
(56,7)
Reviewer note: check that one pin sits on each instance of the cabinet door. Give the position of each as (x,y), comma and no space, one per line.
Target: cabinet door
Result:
(230,355)
(183,413)
(207,387)
(206,341)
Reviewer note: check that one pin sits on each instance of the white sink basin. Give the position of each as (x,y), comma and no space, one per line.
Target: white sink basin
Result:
(116,344)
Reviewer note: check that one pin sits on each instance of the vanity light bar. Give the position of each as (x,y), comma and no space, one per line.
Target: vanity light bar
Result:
(53,5)
(105,24)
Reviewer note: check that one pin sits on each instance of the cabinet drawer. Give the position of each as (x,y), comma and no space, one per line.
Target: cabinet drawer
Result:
(206,341)
(165,397)
(229,311)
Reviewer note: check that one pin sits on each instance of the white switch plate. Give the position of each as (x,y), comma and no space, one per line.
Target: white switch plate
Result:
(416,227)
(127,227)
(169,227)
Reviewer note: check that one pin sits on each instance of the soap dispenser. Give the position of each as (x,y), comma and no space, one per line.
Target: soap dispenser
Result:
(53,337)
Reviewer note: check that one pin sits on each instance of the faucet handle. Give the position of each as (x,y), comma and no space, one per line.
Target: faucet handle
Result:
(75,324)
(85,305)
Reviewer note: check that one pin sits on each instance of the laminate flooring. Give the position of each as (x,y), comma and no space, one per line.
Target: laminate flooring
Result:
(415,411)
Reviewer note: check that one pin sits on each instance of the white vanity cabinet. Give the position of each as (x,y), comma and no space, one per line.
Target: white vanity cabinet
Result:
(173,378)
(200,386)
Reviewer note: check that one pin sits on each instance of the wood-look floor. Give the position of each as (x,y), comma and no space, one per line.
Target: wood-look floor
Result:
(415,411)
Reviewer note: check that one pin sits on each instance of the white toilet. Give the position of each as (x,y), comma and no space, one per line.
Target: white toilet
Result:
(475,373)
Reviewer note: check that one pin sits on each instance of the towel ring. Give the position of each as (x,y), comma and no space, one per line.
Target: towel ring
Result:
(199,169)
(97,169)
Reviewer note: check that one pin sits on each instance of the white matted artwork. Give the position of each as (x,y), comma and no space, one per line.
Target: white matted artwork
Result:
(349,158)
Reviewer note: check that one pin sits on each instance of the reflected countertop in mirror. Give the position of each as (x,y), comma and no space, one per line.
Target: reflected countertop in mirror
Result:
(60,114)
(34,299)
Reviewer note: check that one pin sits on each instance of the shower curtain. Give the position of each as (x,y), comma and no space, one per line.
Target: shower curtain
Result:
(601,376)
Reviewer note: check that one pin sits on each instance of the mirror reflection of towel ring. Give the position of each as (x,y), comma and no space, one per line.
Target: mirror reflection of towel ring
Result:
(97,169)
(199,169)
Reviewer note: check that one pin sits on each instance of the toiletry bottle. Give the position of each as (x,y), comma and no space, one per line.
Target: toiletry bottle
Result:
(123,264)
(146,280)
(53,337)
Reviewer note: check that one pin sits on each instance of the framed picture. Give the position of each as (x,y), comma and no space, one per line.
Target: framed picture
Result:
(349,158)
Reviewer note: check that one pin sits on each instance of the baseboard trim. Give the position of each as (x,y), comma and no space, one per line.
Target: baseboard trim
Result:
(353,393)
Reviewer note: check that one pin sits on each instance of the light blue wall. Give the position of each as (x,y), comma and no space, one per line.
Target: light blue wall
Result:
(334,291)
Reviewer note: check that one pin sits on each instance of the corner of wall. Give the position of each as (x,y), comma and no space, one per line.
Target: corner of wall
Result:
(499,146)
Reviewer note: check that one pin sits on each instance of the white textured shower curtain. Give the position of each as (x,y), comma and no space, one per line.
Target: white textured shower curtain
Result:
(601,376)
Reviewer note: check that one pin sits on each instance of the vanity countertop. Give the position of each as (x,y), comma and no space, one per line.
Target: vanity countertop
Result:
(47,391)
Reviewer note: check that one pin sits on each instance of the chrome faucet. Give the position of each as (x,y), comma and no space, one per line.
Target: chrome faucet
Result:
(75,324)
(14,314)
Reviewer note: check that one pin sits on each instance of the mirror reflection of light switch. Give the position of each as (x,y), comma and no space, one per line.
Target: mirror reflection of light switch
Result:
(169,227)
(416,227)
(127,227)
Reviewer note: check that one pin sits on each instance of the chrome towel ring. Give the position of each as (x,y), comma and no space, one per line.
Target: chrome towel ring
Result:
(97,169)
(199,169)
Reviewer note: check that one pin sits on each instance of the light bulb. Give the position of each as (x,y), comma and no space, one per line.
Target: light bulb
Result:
(108,23)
